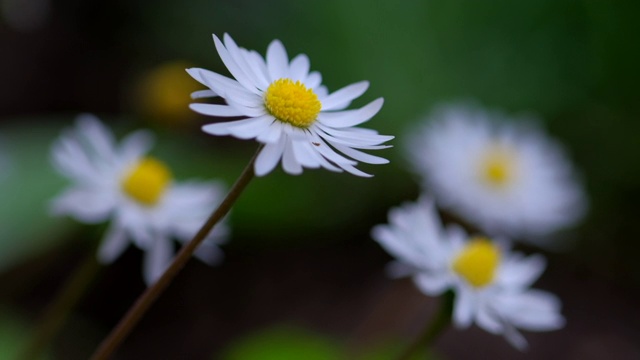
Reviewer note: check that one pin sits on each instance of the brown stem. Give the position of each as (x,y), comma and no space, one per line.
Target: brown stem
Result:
(151,294)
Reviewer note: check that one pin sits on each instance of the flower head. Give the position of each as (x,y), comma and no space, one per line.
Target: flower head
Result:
(506,179)
(491,283)
(136,192)
(287,108)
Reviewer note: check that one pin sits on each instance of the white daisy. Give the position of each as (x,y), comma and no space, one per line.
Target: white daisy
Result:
(287,108)
(506,179)
(138,194)
(491,284)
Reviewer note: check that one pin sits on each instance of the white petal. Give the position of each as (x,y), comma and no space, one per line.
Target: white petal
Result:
(234,68)
(210,254)
(217,83)
(273,134)
(86,205)
(269,157)
(488,321)
(250,130)
(277,61)
(203,94)
(252,111)
(348,118)
(215,110)
(258,65)
(352,170)
(533,310)
(304,154)
(349,137)
(223,128)
(397,245)
(464,308)
(432,283)
(247,67)
(313,80)
(360,156)
(289,162)
(99,137)
(514,338)
(343,97)
(135,145)
(157,259)
(521,272)
(114,243)
(299,68)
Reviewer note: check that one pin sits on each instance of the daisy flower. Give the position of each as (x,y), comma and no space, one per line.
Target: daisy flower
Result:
(286,108)
(491,283)
(118,182)
(506,179)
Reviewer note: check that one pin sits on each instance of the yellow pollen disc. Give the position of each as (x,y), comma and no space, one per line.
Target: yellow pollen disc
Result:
(292,102)
(477,262)
(497,168)
(147,181)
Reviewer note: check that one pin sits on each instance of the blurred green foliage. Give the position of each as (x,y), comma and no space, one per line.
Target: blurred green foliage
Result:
(572,63)
(283,343)
(27,185)
(13,335)
(294,343)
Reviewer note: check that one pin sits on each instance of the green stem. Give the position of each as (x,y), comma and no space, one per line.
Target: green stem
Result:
(151,294)
(434,329)
(59,310)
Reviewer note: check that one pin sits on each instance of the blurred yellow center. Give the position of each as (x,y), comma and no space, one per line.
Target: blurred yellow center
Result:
(292,102)
(477,262)
(497,168)
(147,181)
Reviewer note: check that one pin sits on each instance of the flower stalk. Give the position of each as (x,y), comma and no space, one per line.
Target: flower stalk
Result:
(151,294)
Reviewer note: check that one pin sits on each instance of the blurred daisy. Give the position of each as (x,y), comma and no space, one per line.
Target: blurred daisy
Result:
(506,179)
(287,108)
(136,192)
(491,284)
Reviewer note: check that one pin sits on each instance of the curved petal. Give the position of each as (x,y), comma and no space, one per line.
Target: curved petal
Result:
(114,243)
(360,156)
(257,79)
(234,68)
(289,162)
(299,68)
(349,118)
(156,259)
(464,307)
(343,97)
(86,205)
(215,110)
(269,157)
(313,80)
(277,61)
(203,94)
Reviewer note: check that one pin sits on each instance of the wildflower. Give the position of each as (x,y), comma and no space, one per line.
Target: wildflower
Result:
(287,108)
(507,179)
(491,284)
(136,192)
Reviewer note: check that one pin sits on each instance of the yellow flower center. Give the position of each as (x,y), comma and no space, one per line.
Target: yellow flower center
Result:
(477,262)
(147,181)
(292,102)
(497,168)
